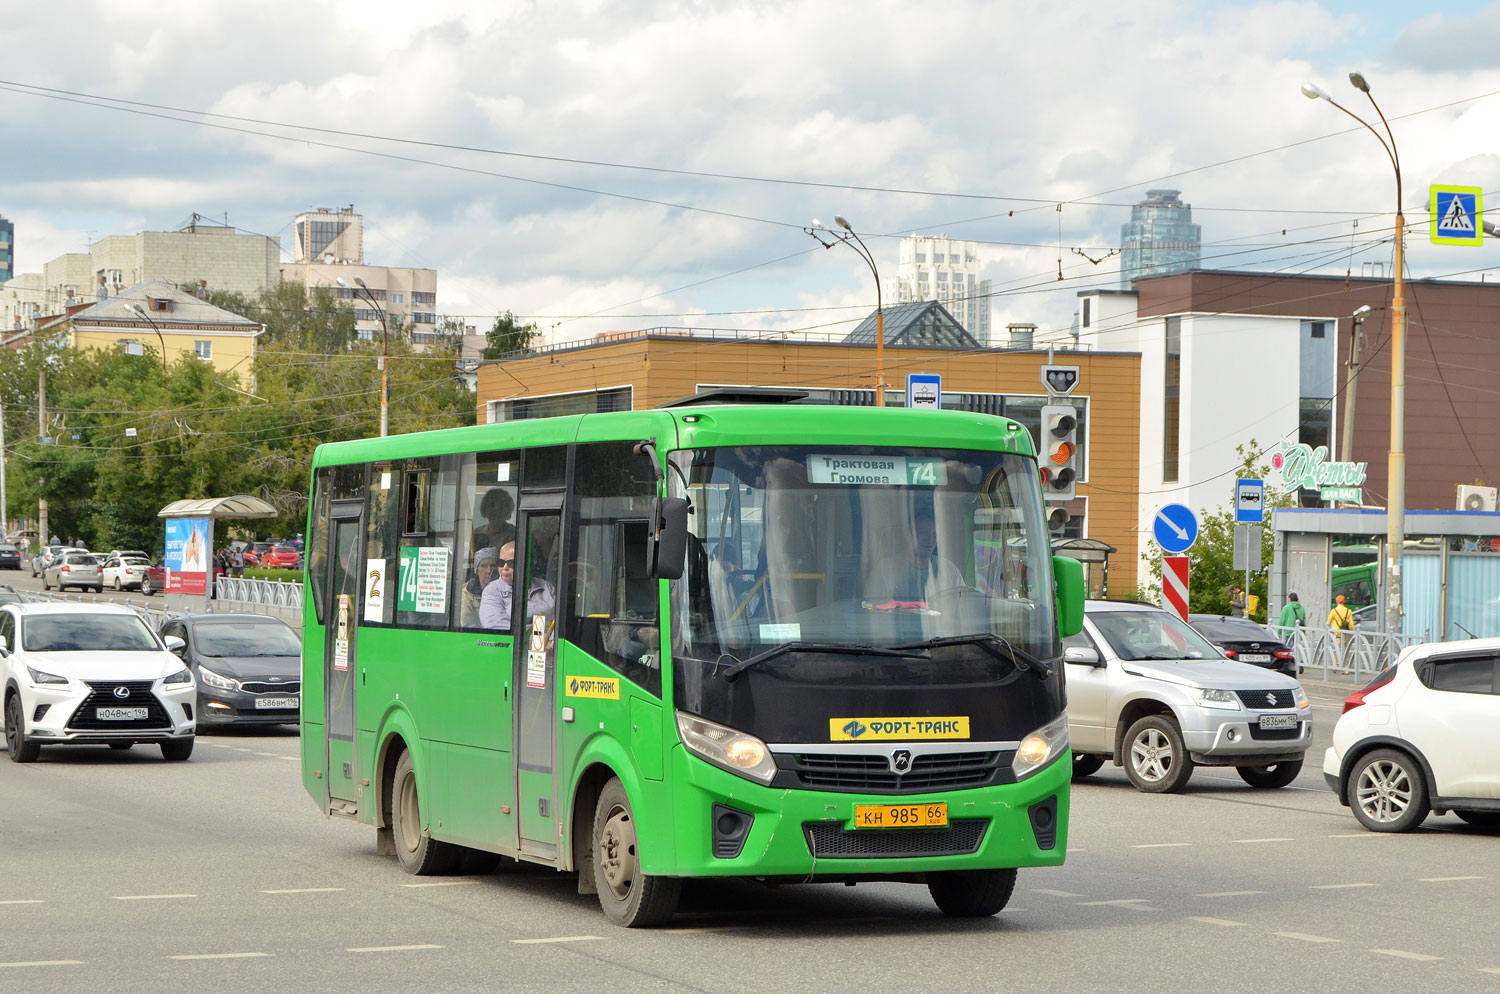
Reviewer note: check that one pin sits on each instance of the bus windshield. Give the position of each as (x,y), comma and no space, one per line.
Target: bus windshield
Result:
(866,546)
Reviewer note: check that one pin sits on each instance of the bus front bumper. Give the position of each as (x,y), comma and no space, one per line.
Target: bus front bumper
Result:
(729,826)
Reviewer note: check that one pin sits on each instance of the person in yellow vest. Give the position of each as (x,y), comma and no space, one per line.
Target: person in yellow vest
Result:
(1341,617)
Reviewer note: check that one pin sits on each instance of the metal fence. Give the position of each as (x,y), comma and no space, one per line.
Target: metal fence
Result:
(235,596)
(1332,654)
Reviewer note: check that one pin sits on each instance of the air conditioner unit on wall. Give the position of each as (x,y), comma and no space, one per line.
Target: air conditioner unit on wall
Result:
(1477,498)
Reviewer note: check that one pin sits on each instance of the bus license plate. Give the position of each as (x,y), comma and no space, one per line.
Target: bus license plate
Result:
(900,815)
(275,703)
(1278,721)
(120,714)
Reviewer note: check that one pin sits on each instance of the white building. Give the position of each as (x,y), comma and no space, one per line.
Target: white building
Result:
(328,245)
(936,267)
(221,257)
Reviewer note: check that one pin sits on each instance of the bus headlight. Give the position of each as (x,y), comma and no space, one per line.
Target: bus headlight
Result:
(1041,747)
(733,750)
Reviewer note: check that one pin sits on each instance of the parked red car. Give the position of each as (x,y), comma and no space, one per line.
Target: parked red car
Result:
(281,557)
(255,552)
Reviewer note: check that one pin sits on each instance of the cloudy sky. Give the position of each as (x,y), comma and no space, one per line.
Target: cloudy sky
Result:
(597,166)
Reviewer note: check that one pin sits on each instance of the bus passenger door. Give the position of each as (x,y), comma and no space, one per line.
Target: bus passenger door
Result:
(534,610)
(339,663)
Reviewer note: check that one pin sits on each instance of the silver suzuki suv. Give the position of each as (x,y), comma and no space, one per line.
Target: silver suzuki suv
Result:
(1148,692)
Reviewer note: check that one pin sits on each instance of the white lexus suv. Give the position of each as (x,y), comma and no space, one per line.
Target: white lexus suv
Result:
(91,673)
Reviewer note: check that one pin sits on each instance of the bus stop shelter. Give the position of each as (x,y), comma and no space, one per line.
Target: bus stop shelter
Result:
(1450,587)
(190,538)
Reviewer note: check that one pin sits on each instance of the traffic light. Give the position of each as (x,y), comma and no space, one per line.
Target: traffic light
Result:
(1059,452)
(1057,520)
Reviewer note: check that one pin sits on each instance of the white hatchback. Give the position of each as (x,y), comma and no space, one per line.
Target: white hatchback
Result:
(1423,737)
(91,673)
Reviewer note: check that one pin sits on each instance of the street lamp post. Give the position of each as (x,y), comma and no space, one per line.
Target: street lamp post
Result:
(385,352)
(1395,515)
(140,312)
(850,238)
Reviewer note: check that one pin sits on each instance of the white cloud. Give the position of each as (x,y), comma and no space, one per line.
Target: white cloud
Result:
(1028,103)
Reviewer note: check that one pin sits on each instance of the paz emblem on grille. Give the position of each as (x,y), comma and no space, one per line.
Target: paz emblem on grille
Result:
(901,761)
(122,692)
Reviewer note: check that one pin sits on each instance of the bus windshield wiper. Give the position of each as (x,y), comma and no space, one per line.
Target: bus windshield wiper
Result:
(1003,648)
(901,652)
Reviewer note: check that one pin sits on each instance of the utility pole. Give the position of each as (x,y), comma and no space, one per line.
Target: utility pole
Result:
(4,509)
(41,431)
(1356,345)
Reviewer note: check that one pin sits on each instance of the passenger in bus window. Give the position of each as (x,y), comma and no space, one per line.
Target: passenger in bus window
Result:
(494,604)
(486,571)
(495,508)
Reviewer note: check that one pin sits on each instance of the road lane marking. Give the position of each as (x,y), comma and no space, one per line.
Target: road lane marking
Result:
(1304,937)
(1055,893)
(303,890)
(1231,893)
(151,897)
(218,955)
(1162,845)
(445,883)
(1430,880)
(1489,969)
(32,900)
(47,962)
(1406,955)
(388,949)
(273,755)
(1250,841)
(560,938)
(1215,921)
(1337,886)
(1132,903)
(294,759)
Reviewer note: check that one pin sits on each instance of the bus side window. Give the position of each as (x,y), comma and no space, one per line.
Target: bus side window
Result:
(423,561)
(317,541)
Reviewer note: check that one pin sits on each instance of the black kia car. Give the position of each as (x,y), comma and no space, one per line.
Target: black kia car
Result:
(248,667)
(1243,640)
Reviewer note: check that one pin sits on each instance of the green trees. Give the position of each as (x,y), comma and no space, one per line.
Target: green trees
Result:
(506,336)
(128,441)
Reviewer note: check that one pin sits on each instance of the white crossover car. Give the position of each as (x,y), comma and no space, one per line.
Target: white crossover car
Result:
(1423,736)
(91,674)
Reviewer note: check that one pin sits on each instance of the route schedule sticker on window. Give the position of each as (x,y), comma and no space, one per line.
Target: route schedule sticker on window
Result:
(424,580)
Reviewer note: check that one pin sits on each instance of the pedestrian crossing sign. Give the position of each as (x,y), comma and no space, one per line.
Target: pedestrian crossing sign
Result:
(1457,215)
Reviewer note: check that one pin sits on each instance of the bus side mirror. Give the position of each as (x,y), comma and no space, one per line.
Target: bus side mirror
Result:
(666,547)
(1070,595)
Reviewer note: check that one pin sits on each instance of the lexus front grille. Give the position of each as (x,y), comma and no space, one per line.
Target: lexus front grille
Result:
(102,695)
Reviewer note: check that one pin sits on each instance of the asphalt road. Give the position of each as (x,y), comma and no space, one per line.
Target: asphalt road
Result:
(122,872)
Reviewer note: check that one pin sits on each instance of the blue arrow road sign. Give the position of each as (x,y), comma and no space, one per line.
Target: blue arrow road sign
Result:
(1175,528)
(1250,501)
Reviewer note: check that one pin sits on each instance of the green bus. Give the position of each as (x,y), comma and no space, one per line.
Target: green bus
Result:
(786,642)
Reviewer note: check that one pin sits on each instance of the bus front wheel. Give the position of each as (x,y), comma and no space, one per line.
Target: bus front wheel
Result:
(416,851)
(628,896)
(971,893)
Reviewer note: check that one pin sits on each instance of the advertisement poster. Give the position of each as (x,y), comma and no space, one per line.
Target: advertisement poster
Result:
(187,559)
(375,590)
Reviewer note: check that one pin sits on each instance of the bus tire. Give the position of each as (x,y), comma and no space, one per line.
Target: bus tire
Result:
(971,893)
(629,897)
(417,851)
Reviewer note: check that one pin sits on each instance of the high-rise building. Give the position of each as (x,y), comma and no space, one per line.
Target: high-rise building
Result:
(328,245)
(7,249)
(936,267)
(1159,238)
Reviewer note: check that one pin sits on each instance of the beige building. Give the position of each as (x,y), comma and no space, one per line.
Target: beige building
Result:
(220,257)
(168,322)
(329,246)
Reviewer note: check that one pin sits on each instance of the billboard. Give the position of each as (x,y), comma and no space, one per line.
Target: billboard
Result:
(187,556)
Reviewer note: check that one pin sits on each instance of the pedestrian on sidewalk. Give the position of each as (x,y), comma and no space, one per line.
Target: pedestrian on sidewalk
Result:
(1293,614)
(1236,602)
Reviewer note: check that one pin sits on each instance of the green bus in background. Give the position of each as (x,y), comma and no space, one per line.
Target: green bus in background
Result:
(796,643)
